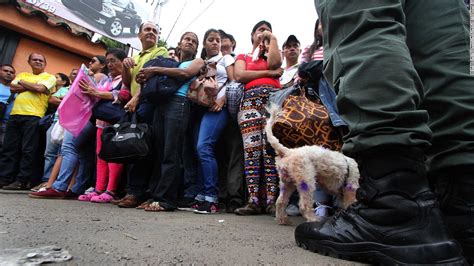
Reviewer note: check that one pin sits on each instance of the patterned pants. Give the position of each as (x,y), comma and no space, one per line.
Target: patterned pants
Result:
(260,171)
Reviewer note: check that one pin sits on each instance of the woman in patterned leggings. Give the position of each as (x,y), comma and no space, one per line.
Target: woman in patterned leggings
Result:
(261,77)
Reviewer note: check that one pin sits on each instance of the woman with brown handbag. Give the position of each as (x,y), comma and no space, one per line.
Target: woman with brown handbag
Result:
(260,73)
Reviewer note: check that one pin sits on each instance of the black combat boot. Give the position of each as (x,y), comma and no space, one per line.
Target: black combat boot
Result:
(456,193)
(396,220)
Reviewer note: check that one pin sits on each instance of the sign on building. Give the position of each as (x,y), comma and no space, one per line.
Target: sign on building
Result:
(117,19)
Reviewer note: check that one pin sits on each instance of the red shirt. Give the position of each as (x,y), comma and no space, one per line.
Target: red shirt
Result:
(260,64)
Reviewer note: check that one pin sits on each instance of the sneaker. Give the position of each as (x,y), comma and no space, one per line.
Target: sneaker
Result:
(39,187)
(17,185)
(207,208)
(321,210)
(187,204)
(49,193)
(293,210)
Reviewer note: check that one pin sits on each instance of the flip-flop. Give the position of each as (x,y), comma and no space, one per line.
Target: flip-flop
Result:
(155,207)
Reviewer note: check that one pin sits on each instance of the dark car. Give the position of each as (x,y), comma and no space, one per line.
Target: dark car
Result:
(114,15)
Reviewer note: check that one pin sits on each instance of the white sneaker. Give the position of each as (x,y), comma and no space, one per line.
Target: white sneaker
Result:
(321,210)
(293,210)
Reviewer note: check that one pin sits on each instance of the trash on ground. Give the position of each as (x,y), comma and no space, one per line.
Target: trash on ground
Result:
(34,256)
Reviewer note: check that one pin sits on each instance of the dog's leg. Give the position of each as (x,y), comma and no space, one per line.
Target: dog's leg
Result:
(285,192)
(306,203)
(352,184)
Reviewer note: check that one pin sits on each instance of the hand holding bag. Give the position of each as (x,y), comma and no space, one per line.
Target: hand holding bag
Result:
(204,89)
(125,142)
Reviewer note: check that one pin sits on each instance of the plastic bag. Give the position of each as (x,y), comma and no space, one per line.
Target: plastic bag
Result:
(57,133)
(75,109)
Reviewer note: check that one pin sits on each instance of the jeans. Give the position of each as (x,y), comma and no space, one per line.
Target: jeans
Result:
(192,168)
(20,148)
(76,150)
(169,125)
(212,126)
(50,154)
(138,173)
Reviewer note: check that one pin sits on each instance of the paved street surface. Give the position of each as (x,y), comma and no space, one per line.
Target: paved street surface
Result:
(105,234)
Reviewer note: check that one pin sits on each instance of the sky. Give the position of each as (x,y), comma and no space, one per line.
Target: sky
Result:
(238,18)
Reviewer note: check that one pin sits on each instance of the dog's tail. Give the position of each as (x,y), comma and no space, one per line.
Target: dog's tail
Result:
(274,110)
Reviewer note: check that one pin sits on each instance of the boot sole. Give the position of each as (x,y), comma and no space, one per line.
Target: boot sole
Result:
(375,253)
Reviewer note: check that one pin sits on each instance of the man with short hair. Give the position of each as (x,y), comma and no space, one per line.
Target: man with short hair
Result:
(172,53)
(139,173)
(7,74)
(291,52)
(30,105)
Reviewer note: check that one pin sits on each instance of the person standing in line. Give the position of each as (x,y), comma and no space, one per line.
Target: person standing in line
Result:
(139,173)
(30,105)
(7,74)
(260,74)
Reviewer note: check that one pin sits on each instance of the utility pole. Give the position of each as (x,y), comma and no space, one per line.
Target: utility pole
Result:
(157,11)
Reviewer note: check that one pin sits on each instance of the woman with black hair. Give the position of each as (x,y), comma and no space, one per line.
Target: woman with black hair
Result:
(260,71)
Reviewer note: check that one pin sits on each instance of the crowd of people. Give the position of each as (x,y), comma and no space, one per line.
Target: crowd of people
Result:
(401,73)
(203,159)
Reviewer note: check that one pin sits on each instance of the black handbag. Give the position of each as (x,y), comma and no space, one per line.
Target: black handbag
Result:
(125,142)
(107,111)
(159,87)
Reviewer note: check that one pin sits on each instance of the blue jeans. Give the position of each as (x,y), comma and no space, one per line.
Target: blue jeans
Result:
(50,154)
(212,125)
(76,150)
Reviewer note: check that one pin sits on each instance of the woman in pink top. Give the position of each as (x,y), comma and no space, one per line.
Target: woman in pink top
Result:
(315,50)
(261,76)
(108,174)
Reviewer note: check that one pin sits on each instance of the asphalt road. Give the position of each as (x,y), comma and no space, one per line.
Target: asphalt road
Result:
(104,234)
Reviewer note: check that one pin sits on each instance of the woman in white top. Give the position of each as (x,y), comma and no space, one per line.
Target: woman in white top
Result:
(212,124)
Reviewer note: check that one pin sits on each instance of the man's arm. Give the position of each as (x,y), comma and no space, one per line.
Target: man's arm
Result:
(33,87)
(15,88)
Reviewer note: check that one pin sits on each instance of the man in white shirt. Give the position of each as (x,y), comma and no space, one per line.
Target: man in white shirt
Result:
(291,52)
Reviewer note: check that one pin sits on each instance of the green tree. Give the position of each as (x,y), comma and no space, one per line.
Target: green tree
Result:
(109,43)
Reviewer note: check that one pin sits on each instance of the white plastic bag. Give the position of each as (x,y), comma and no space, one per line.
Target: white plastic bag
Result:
(57,133)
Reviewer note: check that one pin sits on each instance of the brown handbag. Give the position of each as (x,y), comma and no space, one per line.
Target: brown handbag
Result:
(204,89)
(306,122)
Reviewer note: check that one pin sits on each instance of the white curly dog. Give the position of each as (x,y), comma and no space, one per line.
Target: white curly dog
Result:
(306,167)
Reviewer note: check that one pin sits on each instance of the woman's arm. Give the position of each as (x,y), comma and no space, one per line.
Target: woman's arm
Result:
(230,72)
(89,90)
(181,73)
(55,101)
(274,56)
(245,76)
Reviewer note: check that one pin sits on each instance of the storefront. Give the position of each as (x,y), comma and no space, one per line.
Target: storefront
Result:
(24,30)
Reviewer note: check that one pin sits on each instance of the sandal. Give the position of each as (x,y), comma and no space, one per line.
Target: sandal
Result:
(155,207)
(105,197)
(88,196)
(144,204)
